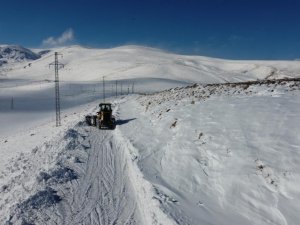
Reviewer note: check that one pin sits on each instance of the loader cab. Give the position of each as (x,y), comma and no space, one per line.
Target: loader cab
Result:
(105,107)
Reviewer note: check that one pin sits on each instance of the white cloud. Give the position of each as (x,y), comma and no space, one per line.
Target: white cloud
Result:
(65,37)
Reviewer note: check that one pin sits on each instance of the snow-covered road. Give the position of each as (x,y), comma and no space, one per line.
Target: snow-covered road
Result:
(103,193)
(77,175)
(90,184)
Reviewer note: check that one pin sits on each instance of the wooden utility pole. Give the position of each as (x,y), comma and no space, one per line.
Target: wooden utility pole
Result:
(103,90)
(132,88)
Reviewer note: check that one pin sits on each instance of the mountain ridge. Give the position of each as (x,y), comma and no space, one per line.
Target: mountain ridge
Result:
(132,61)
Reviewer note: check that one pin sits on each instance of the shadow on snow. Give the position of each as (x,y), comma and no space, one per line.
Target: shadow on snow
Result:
(121,122)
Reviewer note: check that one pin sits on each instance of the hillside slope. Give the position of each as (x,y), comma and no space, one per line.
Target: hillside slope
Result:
(128,62)
(27,86)
(220,154)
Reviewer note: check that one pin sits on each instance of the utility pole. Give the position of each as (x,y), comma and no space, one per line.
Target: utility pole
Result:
(121,89)
(132,88)
(57,66)
(12,103)
(116,88)
(103,90)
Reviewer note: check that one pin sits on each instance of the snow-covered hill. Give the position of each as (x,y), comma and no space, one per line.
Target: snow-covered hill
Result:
(127,62)
(29,85)
(220,154)
(209,153)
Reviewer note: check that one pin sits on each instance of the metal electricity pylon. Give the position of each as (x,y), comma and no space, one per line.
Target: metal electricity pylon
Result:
(57,65)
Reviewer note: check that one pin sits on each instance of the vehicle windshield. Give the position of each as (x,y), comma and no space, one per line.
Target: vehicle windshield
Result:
(105,107)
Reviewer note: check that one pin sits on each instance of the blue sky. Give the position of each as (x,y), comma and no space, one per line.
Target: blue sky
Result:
(244,29)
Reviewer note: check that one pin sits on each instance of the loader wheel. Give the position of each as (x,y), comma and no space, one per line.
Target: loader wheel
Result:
(95,121)
(113,125)
(88,120)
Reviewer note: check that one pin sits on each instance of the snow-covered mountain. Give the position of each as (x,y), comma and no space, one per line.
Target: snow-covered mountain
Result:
(16,53)
(128,62)
(211,153)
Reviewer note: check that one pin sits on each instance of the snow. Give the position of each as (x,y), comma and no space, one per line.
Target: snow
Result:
(203,154)
(223,159)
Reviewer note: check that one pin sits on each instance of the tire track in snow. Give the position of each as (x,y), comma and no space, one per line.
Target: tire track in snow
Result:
(90,182)
(103,193)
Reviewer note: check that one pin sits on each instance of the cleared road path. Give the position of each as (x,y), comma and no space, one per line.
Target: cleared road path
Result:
(103,193)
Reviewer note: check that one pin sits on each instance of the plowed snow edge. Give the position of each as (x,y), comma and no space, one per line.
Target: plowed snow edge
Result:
(144,190)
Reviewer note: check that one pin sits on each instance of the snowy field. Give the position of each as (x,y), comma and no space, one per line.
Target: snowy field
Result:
(202,154)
